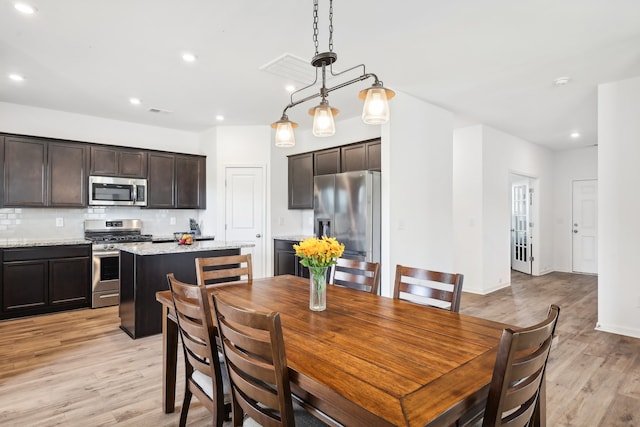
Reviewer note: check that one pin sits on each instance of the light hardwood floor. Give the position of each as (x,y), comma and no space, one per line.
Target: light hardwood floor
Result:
(79,369)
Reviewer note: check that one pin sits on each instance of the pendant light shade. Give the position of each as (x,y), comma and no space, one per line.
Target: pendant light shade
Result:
(376,108)
(284,132)
(323,123)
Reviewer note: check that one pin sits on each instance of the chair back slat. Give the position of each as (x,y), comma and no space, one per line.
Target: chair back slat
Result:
(265,397)
(428,287)
(360,275)
(224,269)
(519,372)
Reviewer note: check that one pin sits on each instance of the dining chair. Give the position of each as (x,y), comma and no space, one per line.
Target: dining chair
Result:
(360,275)
(224,269)
(428,287)
(515,392)
(256,362)
(204,376)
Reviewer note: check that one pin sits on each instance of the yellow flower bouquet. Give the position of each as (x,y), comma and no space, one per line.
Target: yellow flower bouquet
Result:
(318,254)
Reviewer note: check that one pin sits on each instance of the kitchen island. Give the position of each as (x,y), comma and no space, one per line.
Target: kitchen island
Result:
(143,272)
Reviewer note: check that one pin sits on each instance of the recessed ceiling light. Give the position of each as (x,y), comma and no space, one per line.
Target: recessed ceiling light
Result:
(189,57)
(575,135)
(16,77)
(135,101)
(219,118)
(290,88)
(25,8)
(561,81)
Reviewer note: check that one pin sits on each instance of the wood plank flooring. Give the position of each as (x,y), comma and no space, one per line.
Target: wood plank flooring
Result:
(79,369)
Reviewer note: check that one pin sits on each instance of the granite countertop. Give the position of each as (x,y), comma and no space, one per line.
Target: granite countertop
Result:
(25,243)
(149,248)
(170,238)
(293,238)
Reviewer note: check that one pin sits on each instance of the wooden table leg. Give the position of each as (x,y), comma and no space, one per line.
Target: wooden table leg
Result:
(169,361)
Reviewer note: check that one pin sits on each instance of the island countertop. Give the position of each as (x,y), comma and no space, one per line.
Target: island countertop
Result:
(293,238)
(150,248)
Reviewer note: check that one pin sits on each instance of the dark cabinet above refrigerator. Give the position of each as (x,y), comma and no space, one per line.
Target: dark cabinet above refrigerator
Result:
(303,167)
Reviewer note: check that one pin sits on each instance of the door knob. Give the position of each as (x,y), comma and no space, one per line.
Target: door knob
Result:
(575,231)
(258,235)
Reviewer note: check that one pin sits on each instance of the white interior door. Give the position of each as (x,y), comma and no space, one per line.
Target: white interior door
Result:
(520,229)
(245,206)
(585,226)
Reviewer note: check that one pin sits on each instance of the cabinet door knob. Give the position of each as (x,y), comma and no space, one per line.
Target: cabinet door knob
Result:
(258,235)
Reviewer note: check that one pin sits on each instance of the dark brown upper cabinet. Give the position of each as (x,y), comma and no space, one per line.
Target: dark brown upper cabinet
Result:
(326,161)
(116,161)
(176,181)
(162,175)
(24,172)
(67,168)
(362,156)
(41,173)
(374,162)
(301,181)
(2,170)
(190,182)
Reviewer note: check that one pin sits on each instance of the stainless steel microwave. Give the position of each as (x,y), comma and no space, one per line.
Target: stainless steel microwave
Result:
(115,191)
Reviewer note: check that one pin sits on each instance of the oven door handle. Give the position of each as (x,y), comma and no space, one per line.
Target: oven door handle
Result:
(105,254)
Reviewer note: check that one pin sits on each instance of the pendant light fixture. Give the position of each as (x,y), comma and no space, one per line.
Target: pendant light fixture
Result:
(375,110)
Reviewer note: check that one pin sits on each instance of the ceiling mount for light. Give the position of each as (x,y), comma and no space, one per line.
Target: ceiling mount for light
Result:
(375,109)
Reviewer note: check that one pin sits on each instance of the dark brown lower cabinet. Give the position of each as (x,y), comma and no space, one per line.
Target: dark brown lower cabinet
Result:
(45,279)
(285,260)
(24,286)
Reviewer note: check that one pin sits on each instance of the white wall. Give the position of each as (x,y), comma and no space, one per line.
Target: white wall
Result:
(33,121)
(501,155)
(468,219)
(239,146)
(568,166)
(619,204)
(209,217)
(417,188)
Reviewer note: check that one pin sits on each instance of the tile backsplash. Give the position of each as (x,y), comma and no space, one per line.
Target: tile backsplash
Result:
(56,223)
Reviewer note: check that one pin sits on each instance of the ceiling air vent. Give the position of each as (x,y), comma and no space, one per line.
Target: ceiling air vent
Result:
(159,111)
(294,68)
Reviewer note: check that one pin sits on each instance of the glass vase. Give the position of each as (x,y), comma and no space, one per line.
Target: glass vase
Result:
(318,288)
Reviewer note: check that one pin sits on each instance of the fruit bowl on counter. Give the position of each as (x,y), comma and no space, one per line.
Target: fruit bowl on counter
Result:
(183,238)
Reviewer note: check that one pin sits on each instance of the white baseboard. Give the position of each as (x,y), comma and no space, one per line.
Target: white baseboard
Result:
(485,291)
(620,330)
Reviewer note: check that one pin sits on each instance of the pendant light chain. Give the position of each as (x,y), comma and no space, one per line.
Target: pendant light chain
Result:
(315,24)
(330,25)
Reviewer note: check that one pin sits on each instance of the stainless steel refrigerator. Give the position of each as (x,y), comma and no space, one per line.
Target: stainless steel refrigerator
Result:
(347,207)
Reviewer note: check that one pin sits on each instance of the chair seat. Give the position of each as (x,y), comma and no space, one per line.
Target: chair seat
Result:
(205,383)
(302,417)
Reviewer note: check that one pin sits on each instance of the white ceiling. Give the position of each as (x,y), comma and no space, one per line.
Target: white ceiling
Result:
(489,61)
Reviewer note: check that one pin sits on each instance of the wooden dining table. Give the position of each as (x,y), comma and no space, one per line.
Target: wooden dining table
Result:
(366,359)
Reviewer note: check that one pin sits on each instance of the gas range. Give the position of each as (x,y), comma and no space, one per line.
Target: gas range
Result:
(106,259)
(105,233)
